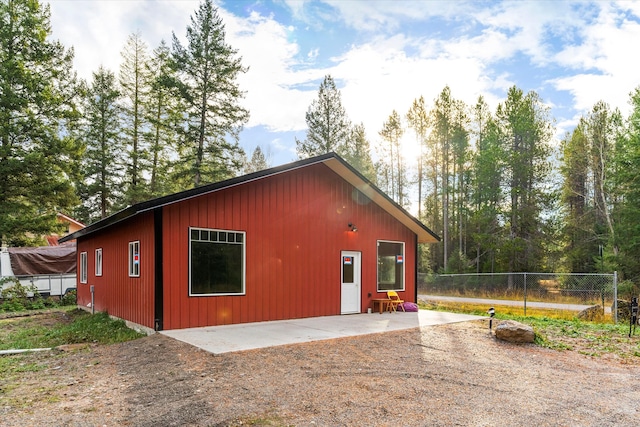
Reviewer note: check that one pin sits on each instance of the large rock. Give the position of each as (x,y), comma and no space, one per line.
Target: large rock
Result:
(592,314)
(512,331)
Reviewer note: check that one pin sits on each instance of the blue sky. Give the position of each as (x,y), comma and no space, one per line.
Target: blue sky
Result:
(384,54)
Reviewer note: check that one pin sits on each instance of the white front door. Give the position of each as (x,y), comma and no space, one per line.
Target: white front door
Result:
(351,274)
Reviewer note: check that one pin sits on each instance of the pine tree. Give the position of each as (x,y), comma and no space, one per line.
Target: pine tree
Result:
(258,161)
(603,128)
(357,153)
(102,171)
(163,114)
(134,88)
(624,193)
(391,133)
(442,117)
(579,224)
(526,129)
(418,120)
(328,125)
(38,91)
(207,69)
(487,198)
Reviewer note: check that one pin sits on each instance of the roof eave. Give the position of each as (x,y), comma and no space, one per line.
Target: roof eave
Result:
(331,160)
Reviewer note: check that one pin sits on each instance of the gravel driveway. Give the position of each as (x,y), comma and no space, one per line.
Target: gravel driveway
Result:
(447,375)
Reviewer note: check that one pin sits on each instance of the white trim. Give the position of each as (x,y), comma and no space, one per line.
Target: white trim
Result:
(134,264)
(83,267)
(98,262)
(355,286)
(404,270)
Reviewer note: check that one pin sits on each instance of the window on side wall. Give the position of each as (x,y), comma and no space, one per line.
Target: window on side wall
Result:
(83,267)
(134,259)
(216,262)
(390,266)
(98,262)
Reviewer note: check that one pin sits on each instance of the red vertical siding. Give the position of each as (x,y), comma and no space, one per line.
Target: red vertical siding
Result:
(130,298)
(296,227)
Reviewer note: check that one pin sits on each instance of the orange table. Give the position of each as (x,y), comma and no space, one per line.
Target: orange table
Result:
(382,302)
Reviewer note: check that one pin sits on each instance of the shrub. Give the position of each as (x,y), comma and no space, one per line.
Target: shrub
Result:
(16,296)
(69,298)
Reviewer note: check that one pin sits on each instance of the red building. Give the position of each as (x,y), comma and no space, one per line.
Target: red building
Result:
(310,238)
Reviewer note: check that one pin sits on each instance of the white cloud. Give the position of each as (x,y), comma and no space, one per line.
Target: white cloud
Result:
(98,30)
(607,69)
(401,50)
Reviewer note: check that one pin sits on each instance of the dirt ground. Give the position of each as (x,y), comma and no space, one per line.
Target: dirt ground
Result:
(448,375)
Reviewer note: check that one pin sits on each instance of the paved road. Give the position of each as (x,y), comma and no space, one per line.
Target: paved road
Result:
(490,302)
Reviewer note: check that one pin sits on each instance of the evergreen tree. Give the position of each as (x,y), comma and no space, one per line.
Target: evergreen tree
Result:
(579,226)
(460,176)
(102,171)
(163,115)
(391,134)
(418,120)
(207,69)
(357,153)
(134,88)
(442,117)
(328,126)
(625,240)
(487,196)
(258,161)
(603,128)
(37,108)
(526,129)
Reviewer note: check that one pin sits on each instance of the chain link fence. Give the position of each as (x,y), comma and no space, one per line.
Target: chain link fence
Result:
(558,290)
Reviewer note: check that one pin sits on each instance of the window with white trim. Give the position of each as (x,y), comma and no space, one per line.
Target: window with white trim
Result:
(83,267)
(216,262)
(134,259)
(390,266)
(98,262)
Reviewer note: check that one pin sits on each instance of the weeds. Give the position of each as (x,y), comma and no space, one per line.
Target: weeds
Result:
(78,326)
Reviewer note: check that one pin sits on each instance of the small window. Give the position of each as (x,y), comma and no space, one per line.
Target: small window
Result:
(216,262)
(83,267)
(99,262)
(390,266)
(134,259)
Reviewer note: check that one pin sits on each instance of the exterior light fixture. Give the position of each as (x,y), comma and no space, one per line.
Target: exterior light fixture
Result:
(492,312)
(353,227)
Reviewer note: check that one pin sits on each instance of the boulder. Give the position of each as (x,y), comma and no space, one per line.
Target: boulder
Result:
(591,314)
(512,331)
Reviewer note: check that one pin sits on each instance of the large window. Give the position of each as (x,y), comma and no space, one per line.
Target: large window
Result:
(83,267)
(99,262)
(390,266)
(134,259)
(216,262)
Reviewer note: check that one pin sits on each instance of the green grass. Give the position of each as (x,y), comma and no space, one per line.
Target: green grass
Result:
(83,328)
(561,330)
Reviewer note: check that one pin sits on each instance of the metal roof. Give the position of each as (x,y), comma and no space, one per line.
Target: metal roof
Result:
(331,160)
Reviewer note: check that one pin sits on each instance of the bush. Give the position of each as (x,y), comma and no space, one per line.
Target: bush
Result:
(16,296)
(69,298)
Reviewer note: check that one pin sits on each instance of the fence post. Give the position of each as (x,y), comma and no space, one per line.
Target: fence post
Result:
(615,297)
(525,294)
